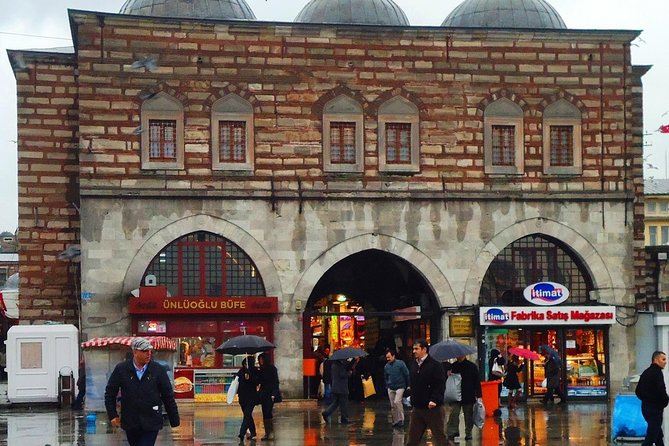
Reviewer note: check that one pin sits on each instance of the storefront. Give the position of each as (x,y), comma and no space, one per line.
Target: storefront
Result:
(198,326)
(579,335)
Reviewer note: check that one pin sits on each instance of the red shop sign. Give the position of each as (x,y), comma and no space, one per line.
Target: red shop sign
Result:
(203,305)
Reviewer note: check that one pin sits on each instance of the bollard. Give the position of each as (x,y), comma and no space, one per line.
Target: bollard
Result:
(91,419)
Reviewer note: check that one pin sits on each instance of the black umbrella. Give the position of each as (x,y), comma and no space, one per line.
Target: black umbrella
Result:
(245,344)
(445,350)
(348,352)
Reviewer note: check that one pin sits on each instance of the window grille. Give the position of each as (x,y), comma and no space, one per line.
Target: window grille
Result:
(562,145)
(342,142)
(503,145)
(232,140)
(162,139)
(398,143)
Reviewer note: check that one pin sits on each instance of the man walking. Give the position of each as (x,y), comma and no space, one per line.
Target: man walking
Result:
(652,392)
(145,388)
(428,382)
(341,371)
(471,390)
(396,376)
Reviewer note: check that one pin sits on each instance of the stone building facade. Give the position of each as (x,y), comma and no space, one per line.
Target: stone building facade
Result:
(87,176)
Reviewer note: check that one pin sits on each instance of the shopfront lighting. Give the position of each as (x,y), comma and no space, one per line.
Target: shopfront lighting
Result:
(341,298)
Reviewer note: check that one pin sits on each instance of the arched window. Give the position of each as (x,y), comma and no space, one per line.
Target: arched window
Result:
(532,259)
(562,139)
(343,135)
(504,138)
(162,133)
(399,145)
(202,264)
(232,134)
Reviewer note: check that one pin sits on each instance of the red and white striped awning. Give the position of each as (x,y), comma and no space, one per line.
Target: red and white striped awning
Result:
(158,342)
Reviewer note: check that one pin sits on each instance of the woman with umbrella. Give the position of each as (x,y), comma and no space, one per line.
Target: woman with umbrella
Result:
(248,380)
(268,392)
(511,381)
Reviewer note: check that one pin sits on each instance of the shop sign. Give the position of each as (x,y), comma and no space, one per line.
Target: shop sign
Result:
(407,314)
(581,315)
(461,326)
(546,293)
(204,305)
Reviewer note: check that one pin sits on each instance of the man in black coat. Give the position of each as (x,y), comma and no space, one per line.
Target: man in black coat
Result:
(427,385)
(471,390)
(145,387)
(652,392)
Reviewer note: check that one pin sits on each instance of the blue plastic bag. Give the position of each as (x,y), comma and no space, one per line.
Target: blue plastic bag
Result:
(627,418)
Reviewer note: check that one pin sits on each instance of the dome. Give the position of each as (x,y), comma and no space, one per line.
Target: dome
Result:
(353,12)
(191,9)
(505,14)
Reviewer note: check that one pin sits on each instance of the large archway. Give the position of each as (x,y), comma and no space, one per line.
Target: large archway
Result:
(373,300)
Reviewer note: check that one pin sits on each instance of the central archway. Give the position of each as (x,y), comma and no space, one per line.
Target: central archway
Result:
(373,300)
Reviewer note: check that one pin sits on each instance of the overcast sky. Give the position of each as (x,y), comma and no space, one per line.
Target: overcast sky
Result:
(22,20)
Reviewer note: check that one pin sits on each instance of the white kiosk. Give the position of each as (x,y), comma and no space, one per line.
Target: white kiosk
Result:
(36,357)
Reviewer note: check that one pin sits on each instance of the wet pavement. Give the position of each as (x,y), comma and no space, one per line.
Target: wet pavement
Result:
(300,423)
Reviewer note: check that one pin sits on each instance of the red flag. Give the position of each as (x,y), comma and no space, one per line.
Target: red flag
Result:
(664,128)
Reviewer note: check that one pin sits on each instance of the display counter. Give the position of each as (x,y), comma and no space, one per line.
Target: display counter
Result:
(211,385)
(585,377)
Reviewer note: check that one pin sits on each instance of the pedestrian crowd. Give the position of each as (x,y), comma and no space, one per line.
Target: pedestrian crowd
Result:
(428,385)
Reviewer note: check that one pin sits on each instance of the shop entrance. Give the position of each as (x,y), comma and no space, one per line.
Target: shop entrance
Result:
(582,352)
(371,300)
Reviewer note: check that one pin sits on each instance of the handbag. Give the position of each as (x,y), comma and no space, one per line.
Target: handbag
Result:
(321,389)
(453,390)
(232,390)
(479,413)
(544,383)
(497,370)
(278,397)
(368,387)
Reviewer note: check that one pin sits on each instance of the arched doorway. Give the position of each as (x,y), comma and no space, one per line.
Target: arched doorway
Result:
(373,300)
(200,290)
(581,344)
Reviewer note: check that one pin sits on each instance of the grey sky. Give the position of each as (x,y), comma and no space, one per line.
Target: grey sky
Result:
(49,18)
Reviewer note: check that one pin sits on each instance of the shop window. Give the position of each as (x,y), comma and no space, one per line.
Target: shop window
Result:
(503,138)
(652,235)
(232,134)
(342,135)
(206,265)
(162,133)
(562,139)
(532,259)
(399,136)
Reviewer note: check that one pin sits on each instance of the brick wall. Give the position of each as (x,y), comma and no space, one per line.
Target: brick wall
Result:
(48,187)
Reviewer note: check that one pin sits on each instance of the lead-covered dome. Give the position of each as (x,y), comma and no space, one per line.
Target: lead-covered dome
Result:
(505,14)
(191,9)
(353,12)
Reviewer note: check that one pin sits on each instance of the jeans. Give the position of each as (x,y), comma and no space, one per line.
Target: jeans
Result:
(396,408)
(422,419)
(653,417)
(341,400)
(454,419)
(247,421)
(141,438)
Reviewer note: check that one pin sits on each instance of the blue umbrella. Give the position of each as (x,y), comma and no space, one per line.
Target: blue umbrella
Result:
(549,351)
(445,350)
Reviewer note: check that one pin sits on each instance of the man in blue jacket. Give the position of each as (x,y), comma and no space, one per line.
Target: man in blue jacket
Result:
(652,392)
(428,382)
(396,375)
(145,388)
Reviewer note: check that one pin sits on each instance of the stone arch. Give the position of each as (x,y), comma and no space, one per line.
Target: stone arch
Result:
(373,109)
(226,91)
(340,90)
(561,95)
(162,87)
(502,94)
(424,265)
(578,245)
(172,231)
